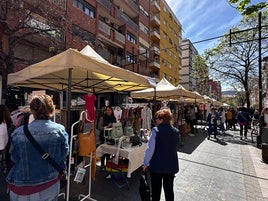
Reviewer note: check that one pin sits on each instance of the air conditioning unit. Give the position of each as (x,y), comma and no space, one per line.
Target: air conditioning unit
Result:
(107,20)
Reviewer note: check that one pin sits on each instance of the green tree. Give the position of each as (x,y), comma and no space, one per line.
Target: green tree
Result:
(235,59)
(36,23)
(200,73)
(246,8)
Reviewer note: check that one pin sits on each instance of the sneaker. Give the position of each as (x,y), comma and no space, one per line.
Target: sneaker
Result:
(208,137)
(241,138)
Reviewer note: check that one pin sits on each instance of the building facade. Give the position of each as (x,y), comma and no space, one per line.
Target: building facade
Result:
(189,53)
(170,52)
(124,32)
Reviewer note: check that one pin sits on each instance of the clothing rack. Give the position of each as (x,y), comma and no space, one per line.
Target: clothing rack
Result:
(88,196)
(128,105)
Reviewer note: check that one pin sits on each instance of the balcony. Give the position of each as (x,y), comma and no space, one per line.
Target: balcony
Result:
(106,3)
(155,63)
(110,35)
(128,6)
(119,37)
(104,28)
(155,49)
(123,17)
(155,20)
(155,35)
(155,7)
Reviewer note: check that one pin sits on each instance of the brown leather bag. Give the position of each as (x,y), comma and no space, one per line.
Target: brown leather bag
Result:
(87,141)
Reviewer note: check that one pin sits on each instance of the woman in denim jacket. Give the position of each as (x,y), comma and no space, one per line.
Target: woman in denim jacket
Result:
(31,177)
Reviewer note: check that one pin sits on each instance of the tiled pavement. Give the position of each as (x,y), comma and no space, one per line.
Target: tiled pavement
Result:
(226,169)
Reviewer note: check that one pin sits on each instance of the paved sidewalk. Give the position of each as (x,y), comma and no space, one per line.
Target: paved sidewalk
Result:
(226,169)
(223,169)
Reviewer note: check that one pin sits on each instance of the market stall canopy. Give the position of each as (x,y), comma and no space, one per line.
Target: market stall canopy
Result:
(198,99)
(83,72)
(216,103)
(164,90)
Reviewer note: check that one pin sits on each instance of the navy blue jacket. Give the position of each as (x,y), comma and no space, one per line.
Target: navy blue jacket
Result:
(165,157)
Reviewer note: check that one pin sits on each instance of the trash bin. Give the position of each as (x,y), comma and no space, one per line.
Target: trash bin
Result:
(265,152)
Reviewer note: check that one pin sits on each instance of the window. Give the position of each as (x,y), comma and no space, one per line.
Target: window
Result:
(130,58)
(131,38)
(85,7)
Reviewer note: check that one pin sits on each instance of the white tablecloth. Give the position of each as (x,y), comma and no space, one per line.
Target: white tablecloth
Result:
(135,155)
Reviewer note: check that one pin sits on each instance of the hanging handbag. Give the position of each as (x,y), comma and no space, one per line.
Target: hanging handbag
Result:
(87,141)
(128,131)
(46,156)
(117,131)
(144,188)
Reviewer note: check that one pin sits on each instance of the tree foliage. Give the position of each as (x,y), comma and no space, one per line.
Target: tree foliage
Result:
(246,8)
(235,59)
(26,21)
(200,72)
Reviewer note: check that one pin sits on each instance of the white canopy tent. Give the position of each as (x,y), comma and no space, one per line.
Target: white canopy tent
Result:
(164,90)
(84,72)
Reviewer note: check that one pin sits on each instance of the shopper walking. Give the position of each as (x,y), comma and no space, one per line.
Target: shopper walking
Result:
(161,156)
(222,119)
(212,119)
(243,119)
(31,177)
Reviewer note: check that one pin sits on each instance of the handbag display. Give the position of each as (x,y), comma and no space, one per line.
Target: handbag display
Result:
(117,130)
(87,141)
(144,188)
(128,130)
(46,156)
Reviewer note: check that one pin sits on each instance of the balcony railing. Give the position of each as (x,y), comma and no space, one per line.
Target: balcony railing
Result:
(104,28)
(120,15)
(106,3)
(120,37)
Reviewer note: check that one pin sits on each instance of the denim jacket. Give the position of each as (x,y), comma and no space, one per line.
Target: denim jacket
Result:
(29,168)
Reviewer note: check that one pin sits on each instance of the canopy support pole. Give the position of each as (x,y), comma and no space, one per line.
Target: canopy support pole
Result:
(154,107)
(69,100)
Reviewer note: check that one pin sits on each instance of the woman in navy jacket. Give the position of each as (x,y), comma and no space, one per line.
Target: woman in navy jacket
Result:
(161,155)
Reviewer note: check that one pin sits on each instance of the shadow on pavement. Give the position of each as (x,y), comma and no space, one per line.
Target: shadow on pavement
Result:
(190,143)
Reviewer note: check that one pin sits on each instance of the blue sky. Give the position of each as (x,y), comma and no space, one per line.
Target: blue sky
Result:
(204,19)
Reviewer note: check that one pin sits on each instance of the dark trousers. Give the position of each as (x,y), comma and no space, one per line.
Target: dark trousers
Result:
(156,180)
(245,129)
(192,123)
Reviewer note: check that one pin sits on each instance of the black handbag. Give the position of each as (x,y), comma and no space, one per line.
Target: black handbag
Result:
(46,156)
(144,188)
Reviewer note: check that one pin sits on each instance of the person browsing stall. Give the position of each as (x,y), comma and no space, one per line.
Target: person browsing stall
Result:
(161,156)
(31,177)
(108,120)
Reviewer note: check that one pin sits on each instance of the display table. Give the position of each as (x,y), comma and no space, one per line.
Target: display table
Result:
(134,154)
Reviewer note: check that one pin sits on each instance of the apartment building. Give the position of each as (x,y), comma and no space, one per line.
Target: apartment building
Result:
(214,89)
(126,33)
(165,58)
(187,80)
